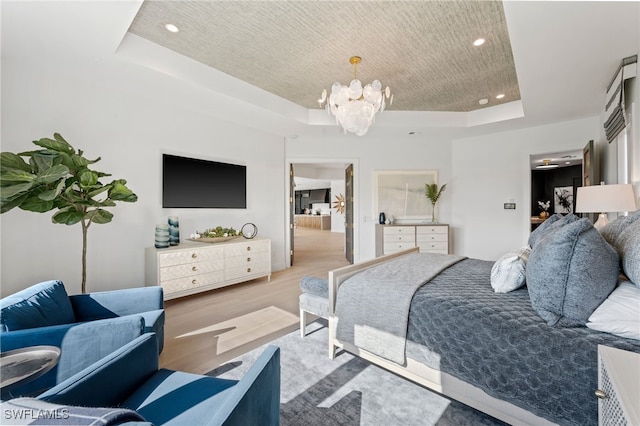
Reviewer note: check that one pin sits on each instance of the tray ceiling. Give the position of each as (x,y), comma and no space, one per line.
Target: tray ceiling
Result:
(423,50)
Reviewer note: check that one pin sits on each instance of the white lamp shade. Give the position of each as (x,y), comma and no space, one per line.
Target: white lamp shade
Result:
(605,199)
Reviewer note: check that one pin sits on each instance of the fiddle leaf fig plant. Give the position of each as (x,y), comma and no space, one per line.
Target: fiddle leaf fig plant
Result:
(58,177)
(433,194)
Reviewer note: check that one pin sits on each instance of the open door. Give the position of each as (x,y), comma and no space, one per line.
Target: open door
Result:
(348,213)
(590,170)
(291,211)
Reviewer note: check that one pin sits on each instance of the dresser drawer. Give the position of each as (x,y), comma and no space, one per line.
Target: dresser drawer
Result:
(398,230)
(432,230)
(247,269)
(400,238)
(394,247)
(196,254)
(193,282)
(434,247)
(247,247)
(190,269)
(429,238)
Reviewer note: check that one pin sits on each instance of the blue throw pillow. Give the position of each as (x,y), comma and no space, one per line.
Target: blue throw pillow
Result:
(570,272)
(549,225)
(40,305)
(629,249)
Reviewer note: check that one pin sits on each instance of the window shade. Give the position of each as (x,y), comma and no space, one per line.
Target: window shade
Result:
(615,114)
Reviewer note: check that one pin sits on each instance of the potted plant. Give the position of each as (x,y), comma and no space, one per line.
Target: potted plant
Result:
(57,177)
(433,193)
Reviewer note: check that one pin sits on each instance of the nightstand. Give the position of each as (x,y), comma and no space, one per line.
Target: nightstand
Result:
(618,387)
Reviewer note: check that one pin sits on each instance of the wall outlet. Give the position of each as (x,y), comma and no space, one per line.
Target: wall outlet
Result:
(509,206)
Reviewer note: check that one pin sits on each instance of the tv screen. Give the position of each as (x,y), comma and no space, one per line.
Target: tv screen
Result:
(195,183)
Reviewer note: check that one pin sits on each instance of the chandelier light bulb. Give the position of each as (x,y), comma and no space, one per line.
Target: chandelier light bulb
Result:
(355,106)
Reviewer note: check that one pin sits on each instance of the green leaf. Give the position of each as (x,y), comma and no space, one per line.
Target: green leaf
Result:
(67,216)
(79,162)
(120,192)
(11,191)
(88,178)
(9,161)
(53,174)
(100,216)
(10,203)
(51,194)
(98,191)
(58,144)
(35,204)
(43,160)
(14,176)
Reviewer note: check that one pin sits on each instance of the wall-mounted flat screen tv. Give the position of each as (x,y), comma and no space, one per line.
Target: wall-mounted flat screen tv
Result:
(196,183)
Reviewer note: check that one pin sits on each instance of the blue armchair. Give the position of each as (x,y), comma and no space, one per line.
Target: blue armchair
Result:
(130,379)
(85,327)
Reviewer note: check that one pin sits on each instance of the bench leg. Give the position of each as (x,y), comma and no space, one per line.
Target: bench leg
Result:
(303,322)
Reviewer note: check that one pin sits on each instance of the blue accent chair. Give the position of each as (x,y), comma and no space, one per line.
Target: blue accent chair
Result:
(129,378)
(85,327)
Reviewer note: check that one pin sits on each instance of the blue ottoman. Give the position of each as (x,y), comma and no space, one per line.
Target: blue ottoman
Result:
(314,300)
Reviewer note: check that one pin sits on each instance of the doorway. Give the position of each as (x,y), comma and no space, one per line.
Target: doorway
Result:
(318,206)
(555,178)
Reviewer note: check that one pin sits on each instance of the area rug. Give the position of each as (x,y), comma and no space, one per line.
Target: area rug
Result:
(318,391)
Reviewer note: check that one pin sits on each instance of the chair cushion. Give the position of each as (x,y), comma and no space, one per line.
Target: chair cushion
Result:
(175,397)
(40,305)
(570,272)
(315,286)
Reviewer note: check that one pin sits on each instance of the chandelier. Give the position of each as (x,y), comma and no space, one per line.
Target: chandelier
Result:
(355,107)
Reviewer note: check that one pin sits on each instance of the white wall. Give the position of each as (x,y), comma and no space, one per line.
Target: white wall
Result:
(492,169)
(129,131)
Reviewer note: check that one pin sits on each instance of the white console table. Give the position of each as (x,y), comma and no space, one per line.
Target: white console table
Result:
(193,267)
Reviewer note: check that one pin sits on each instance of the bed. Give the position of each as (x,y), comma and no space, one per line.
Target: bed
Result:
(506,354)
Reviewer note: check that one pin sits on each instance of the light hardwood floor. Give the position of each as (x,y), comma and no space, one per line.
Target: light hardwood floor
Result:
(206,330)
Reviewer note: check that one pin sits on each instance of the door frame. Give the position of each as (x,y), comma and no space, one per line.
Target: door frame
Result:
(356,202)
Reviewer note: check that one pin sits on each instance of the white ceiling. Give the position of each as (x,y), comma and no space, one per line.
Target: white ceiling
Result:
(423,50)
(564,53)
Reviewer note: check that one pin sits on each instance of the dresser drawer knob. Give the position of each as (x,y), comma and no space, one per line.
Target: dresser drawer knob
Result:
(194,281)
(601,394)
(194,268)
(248,248)
(194,255)
(248,259)
(248,269)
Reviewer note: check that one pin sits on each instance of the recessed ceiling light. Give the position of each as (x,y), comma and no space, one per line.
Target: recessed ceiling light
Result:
(483,101)
(479,42)
(500,96)
(172,28)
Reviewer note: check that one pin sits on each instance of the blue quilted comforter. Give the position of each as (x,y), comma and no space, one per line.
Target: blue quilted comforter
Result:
(498,343)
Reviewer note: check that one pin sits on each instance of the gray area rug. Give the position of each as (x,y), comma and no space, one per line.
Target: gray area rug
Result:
(347,390)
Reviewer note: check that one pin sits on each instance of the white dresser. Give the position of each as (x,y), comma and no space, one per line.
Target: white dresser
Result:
(192,267)
(432,238)
(618,387)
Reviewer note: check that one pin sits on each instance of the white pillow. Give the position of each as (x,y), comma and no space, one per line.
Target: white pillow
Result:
(508,273)
(619,314)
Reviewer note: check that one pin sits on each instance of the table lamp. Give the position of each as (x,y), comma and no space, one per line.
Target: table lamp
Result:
(604,199)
